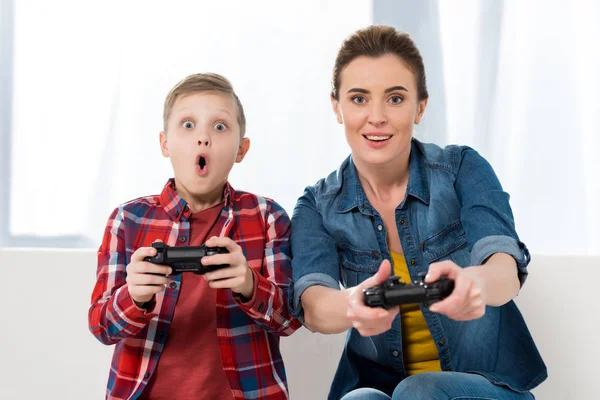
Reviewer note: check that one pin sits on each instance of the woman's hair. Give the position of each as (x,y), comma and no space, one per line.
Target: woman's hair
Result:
(376,41)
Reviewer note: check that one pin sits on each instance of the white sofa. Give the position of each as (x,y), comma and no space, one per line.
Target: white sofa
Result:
(47,352)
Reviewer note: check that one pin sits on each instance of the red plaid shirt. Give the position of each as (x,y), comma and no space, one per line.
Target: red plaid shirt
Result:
(248,332)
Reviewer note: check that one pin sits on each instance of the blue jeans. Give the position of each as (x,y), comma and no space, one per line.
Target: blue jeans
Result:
(442,386)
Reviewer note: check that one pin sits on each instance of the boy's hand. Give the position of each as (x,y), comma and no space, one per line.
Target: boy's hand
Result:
(238,276)
(141,283)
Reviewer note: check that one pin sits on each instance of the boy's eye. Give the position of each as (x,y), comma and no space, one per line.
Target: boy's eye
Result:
(188,125)
(359,99)
(220,126)
(396,99)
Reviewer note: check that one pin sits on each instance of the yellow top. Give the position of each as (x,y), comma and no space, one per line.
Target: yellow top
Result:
(418,347)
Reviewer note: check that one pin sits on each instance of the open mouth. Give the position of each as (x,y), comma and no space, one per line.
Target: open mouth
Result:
(377,138)
(202,164)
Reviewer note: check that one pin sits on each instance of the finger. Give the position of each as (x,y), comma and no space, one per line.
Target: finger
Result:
(360,311)
(383,274)
(225,283)
(145,291)
(229,258)
(453,304)
(226,242)
(142,253)
(146,267)
(443,268)
(224,273)
(147,279)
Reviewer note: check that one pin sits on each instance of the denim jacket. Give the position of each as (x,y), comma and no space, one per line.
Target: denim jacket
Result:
(454,209)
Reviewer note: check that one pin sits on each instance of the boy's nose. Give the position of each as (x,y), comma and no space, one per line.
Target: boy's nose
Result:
(202,142)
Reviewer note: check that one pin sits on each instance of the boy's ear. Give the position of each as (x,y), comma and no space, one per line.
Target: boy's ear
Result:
(242,149)
(336,109)
(422,105)
(164,146)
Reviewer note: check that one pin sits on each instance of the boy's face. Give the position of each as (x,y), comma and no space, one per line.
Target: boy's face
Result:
(203,142)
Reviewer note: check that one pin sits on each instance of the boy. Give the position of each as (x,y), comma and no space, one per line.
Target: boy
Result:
(188,336)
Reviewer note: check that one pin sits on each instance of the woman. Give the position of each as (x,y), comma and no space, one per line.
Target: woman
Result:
(399,206)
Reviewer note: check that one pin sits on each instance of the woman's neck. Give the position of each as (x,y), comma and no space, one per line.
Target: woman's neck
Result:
(385,182)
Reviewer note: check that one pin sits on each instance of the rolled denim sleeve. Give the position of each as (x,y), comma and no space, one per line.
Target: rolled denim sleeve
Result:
(314,252)
(486,214)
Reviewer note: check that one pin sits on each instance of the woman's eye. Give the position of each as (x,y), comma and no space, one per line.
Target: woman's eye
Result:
(396,99)
(220,126)
(188,125)
(359,100)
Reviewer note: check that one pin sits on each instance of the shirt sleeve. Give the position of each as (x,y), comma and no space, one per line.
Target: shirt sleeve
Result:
(486,214)
(315,259)
(113,315)
(269,303)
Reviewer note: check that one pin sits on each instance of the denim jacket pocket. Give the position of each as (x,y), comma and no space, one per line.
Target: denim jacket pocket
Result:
(450,242)
(356,265)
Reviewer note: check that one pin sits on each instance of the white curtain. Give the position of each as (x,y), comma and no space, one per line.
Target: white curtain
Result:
(521,84)
(89,86)
(517,80)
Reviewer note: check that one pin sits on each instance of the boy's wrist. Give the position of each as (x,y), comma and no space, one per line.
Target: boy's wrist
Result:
(247,292)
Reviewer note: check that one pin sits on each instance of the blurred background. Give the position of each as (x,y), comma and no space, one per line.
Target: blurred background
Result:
(83,84)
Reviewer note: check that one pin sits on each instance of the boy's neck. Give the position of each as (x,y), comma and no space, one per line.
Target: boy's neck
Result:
(203,202)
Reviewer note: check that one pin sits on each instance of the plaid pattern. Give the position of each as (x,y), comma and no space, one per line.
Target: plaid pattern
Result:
(248,332)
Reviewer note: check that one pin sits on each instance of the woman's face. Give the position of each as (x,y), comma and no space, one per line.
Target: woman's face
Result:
(378,106)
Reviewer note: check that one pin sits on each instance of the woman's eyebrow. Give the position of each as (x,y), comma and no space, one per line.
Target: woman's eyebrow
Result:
(395,88)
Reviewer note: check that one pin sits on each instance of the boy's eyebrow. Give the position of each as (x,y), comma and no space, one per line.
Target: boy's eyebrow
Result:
(365,91)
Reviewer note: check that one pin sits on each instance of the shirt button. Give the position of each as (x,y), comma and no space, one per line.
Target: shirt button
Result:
(395,353)
(442,342)
(364,206)
(413,262)
(147,375)
(379,227)
(173,285)
(402,222)
(182,239)
(376,254)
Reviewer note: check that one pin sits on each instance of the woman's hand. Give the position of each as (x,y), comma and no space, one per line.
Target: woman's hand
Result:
(468,299)
(370,321)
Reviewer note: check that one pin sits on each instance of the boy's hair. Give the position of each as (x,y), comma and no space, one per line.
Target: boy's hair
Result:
(375,41)
(198,83)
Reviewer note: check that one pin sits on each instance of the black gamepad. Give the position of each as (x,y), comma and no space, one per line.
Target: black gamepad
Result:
(394,292)
(185,259)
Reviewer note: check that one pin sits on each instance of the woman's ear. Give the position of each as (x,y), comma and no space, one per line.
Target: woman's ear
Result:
(164,146)
(336,109)
(420,111)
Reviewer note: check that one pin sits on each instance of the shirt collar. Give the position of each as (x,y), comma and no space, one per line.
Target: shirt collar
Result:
(176,207)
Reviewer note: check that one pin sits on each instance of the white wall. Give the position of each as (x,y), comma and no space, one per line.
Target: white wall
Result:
(46,350)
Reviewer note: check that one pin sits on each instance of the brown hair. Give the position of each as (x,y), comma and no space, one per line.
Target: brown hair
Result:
(375,41)
(198,83)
